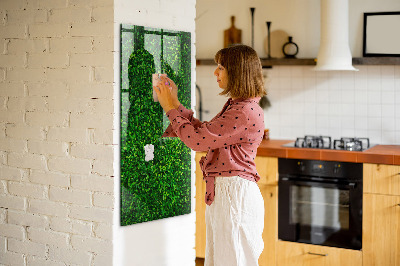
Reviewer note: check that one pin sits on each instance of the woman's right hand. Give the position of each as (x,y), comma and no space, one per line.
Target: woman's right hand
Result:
(174,91)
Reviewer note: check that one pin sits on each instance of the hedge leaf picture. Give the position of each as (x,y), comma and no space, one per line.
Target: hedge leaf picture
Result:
(158,185)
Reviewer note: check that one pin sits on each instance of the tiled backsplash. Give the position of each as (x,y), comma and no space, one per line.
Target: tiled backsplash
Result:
(365,103)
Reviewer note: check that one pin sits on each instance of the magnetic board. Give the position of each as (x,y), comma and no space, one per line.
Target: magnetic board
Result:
(155,171)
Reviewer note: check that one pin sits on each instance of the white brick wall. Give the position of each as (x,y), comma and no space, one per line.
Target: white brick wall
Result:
(56,126)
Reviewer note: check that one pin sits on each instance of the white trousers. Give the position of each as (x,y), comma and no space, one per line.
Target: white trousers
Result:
(234,223)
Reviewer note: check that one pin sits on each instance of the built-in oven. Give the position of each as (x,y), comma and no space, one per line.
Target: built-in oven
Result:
(320,202)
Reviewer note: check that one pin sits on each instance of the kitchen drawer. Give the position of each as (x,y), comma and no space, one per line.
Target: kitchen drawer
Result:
(267,168)
(298,254)
(381,179)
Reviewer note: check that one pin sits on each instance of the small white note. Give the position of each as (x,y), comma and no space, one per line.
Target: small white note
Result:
(149,152)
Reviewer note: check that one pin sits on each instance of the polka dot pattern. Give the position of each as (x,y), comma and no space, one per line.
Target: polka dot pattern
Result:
(231,138)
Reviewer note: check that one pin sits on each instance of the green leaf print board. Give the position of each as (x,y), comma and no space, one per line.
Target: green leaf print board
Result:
(155,171)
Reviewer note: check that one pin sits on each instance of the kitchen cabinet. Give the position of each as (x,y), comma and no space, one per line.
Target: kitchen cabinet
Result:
(267,167)
(381,230)
(381,221)
(200,209)
(381,215)
(298,254)
(270,233)
(381,179)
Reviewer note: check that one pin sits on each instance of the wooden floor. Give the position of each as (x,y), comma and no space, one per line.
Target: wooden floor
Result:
(199,262)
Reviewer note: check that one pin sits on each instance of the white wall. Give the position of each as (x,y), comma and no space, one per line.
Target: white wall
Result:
(56,121)
(337,104)
(168,241)
(298,18)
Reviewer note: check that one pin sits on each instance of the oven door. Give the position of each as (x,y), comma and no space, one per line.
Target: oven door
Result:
(320,212)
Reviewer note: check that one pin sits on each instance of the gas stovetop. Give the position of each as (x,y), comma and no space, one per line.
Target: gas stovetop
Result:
(325,142)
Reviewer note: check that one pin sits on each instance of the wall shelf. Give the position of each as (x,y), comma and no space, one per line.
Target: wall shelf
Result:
(376,61)
(312,61)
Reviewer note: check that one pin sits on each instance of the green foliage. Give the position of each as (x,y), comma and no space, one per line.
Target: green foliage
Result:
(161,187)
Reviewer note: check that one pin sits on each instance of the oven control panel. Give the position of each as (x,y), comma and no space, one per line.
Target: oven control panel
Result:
(330,169)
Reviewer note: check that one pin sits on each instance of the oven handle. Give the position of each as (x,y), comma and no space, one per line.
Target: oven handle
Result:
(297,181)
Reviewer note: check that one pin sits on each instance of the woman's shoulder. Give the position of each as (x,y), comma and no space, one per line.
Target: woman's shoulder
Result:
(248,104)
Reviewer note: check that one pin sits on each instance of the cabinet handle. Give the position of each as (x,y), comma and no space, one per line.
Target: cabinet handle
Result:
(318,254)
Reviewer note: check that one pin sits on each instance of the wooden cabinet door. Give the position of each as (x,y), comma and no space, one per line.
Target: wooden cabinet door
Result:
(270,233)
(297,254)
(381,230)
(200,209)
(267,168)
(381,179)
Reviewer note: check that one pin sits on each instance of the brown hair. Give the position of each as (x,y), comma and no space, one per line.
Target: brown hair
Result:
(245,78)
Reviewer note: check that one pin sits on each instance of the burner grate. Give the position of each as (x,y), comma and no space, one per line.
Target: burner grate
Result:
(351,144)
(324,142)
(320,142)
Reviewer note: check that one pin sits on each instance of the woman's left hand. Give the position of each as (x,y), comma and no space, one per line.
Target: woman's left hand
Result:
(163,90)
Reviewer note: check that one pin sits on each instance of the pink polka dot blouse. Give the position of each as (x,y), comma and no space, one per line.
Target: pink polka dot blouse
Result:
(231,139)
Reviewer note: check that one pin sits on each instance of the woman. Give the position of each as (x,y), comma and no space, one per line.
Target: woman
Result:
(235,207)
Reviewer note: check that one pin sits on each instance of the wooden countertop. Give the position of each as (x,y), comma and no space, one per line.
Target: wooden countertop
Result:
(379,154)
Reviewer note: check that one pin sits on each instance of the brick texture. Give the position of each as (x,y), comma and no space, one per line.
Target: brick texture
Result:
(20,46)
(48,30)
(71,165)
(49,208)
(12,89)
(69,256)
(56,122)
(13,31)
(26,16)
(53,60)
(71,226)
(10,173)
(12,202)
(37,261)
(13,4)
(71,44)
(28,219)
(91,214)
(49,178)
(103,231)
(48,237)
(50,88)
(27,247)
(92,182)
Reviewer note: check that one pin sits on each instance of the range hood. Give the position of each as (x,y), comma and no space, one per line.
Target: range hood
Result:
(334,51)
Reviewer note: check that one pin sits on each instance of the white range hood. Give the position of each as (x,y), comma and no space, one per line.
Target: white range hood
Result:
(334,51)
